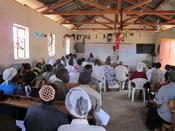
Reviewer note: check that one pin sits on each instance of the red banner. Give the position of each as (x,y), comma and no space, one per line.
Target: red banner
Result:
(117,42)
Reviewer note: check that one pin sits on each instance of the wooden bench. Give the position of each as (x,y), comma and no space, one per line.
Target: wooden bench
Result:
(26,102)
(72,85)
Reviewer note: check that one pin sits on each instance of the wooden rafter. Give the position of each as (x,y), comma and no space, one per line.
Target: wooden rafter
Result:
(126,23)
(109,27)
(95,4)
(161,4)
(102,16)
(163,12)
(146,9)
(134,29)
(56,5)
(147,23)
(117,8)
(138,4)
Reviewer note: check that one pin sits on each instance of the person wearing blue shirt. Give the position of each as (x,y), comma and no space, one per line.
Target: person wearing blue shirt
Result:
(9,87)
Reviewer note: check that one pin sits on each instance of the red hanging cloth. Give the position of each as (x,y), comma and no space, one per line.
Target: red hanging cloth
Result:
(117,42)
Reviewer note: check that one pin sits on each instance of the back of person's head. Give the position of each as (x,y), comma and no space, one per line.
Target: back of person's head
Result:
(26,65)
(113,48)
(91,55)
(120,63)
(167,67)
(67,56)
(78,102)
(172,76)
(88,67)
(75,55)
(97,62)
(9,74)
(48,67)
(158,65)
(63,75)
(84,78)
(71,61)
(153,65)
(47,93)
(79,62)
(63,58)
(172,67)
(82,59)
(70,55)
(108,61)
(29,78)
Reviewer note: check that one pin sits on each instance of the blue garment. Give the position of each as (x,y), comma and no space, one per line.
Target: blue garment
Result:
(44,118)
(9,88)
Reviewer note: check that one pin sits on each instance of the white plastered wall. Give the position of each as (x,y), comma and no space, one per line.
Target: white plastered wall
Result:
(12,12)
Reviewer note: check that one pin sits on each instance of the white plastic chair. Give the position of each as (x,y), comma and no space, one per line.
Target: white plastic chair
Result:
(102,84)
(139,82)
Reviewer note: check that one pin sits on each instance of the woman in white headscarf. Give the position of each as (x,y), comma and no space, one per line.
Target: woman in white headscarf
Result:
(10,81)
(78,104)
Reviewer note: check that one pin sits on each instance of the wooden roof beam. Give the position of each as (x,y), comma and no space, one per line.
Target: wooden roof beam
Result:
(162,12)
(134,29)
(109,27)
(56,5)
(138,5)
(102,16)
(146,9)
(95,4)
(143,22)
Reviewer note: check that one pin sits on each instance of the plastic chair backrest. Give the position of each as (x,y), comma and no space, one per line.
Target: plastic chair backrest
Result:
(139,82)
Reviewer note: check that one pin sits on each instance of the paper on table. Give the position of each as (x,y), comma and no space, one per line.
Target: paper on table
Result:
(103,116)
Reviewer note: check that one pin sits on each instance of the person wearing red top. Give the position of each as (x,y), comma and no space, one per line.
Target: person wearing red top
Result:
(137,74)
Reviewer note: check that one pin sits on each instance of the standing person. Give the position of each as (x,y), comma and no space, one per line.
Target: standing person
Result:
(44,116)
(114,55)
(91,58)
(78,104)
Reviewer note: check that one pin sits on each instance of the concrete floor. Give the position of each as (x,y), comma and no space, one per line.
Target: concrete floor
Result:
(125,115)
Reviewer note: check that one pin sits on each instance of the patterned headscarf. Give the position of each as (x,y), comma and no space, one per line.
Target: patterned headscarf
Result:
(78,102)
(47,93)
(9,74)
(139,67)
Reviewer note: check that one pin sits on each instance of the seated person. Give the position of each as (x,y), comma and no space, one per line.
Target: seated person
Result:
(109,74)
(162,114)
(88,74)
(61,80)
(93,94)
(9,87)
(46,75)
(26,68)
(137,74)
(78,104)
(44,116)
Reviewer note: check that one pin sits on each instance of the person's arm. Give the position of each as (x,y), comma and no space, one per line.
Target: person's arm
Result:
(158,101)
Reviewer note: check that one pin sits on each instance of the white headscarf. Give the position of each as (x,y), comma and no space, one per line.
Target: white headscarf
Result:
(78,102)
(139,67)
(9,74)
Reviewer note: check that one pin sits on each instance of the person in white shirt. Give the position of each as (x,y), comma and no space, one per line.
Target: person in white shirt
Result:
(114,55)
(97,71)
(150,72)
(78,104)
(157,76)
(121,73)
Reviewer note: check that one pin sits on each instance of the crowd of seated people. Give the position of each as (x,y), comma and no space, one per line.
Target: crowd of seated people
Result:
(36,81)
